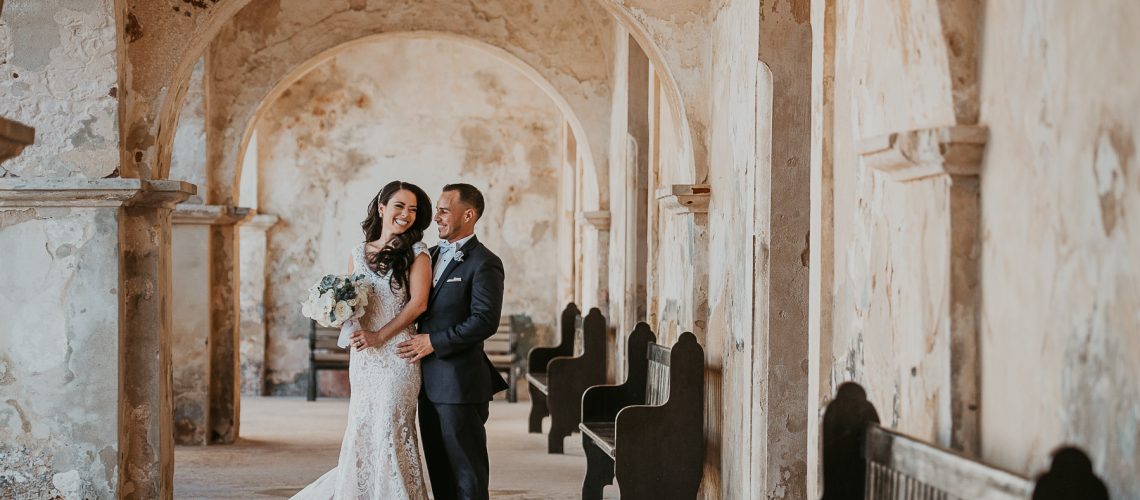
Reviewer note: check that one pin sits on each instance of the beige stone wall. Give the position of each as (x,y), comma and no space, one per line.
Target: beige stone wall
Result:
(1061,236)
(58,74)
(428,112)
(59,370)
(1058,279)
(890,333)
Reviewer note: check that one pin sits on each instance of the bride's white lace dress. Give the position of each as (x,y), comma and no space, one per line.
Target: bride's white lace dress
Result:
(379,457)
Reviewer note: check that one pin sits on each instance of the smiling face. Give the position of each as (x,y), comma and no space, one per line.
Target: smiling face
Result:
(454,219)
(399,213)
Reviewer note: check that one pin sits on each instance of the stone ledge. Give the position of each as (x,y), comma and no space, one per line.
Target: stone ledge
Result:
(261,222)
(14,137)
(600,220)
(210,215)
(83,192)
(920,153)
(685,198)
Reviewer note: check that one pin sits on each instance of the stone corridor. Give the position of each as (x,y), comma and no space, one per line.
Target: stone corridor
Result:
(933,203)
(273,460)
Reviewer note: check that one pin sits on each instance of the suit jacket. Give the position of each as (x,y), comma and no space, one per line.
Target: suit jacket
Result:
(463,310)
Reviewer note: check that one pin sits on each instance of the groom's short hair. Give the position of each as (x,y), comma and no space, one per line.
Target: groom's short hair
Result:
(468,195)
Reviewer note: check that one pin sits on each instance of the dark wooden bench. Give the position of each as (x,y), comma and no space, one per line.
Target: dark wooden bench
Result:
(862,459)
(323,354)
(649,431)
(566,378)
(502,350)
(536,364)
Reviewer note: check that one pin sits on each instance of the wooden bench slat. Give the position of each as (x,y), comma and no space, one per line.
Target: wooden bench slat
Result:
(603,435)
(903,458)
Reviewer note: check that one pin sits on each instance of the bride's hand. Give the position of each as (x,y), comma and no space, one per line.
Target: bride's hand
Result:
(362,339)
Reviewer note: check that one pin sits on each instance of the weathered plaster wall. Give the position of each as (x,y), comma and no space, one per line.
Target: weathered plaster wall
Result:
(1061,236)
(565,43)
(59,362)
(252,300)
(191,319)
(428,112)
(730,347)
(890,331)
(58,74)
(188,154)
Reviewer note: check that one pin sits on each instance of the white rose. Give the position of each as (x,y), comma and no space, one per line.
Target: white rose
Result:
(342,311)
(307,309)
(352,302)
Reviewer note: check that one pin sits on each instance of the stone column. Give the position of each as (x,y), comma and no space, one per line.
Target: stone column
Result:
(85,336)
(254,232)
(955,152)
(597,223)
(205,340)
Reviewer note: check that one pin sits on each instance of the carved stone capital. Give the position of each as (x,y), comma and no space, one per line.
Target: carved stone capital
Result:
(599,220)
(80,192)
(210,215)
(916,154)
(14,137)
(685,198)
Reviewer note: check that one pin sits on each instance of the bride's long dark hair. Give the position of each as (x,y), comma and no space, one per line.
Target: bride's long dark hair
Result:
(397,255)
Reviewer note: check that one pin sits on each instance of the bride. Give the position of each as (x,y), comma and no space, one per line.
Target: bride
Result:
(379,456)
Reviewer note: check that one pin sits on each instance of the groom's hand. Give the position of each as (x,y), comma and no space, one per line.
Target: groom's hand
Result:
(415,348)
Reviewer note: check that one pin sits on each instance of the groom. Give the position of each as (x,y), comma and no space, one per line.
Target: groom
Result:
(458,380)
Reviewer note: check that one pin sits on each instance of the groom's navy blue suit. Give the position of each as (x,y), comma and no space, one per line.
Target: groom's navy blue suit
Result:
(458,380)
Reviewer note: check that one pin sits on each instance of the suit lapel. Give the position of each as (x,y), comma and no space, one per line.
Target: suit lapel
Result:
(467,247)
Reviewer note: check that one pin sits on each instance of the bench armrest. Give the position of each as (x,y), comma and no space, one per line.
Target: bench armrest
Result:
(601,403)
(539,357)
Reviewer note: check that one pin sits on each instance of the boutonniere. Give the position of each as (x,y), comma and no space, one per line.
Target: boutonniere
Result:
(459,256)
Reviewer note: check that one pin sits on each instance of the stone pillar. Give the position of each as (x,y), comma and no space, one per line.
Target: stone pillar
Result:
(205,339)
(85,340)
(254,232)
(955,152)
(597,223)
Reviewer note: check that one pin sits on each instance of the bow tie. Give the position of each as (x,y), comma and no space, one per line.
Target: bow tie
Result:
(447,247)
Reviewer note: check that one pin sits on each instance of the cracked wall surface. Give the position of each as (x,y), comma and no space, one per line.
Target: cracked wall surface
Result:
(1061,236)
(58,74)
(1058,248)
(59,377)
(427,112)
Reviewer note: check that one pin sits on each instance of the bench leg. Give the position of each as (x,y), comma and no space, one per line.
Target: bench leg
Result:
(512,381)
(599,470)
(557,434)
(312,390)
(538,410)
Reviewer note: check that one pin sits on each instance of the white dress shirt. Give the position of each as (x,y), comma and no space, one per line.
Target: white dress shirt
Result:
(446,255)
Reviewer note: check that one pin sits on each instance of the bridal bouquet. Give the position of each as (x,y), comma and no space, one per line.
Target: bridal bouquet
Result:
(336,300)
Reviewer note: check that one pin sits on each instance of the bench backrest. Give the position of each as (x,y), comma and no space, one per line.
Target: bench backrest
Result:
(323,338)
(657,375)
(901,467)
(862,459)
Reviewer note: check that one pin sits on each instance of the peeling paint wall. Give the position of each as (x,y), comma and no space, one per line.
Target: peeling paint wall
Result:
(428,112)
(1059,186)
(188,156)
(1061,236)
(59,370)
(58,74)
(891,238)
(190,353)
(731,347)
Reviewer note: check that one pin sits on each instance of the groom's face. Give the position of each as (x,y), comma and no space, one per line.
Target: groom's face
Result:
(452,217)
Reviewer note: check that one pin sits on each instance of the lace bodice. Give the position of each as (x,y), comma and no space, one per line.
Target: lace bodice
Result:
(379,457)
